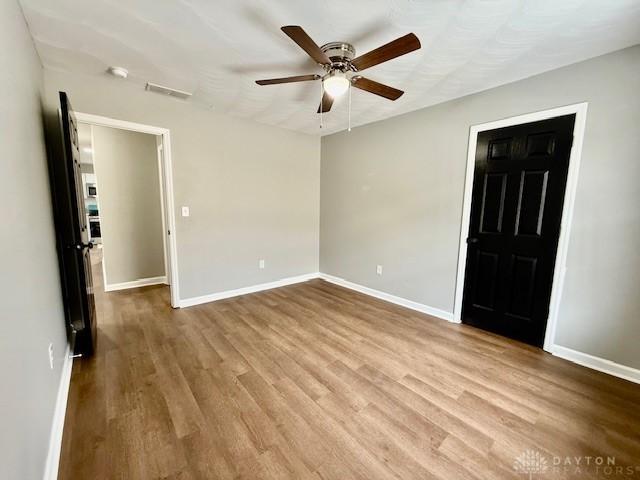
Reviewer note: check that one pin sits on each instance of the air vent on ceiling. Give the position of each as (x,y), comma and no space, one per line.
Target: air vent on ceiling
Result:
(172,92)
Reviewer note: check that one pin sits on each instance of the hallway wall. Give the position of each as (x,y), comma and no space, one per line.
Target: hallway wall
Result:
(126,165)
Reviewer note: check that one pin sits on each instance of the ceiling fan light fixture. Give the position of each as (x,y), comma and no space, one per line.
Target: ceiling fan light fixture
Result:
(336,84)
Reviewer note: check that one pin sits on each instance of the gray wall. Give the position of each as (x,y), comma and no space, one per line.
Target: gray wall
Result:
(126,165)
(32,314)
(253,189)
(392,194)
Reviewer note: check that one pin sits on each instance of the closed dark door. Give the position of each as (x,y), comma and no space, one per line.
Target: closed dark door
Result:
(72,230)
(516,210)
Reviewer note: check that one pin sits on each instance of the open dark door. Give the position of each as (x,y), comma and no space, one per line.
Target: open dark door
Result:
(72,233)
(516,210)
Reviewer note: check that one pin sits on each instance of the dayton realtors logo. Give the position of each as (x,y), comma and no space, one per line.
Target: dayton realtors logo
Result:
(532,462)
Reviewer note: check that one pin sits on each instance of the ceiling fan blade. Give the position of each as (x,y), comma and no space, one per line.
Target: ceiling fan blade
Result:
(397,48)
(299,78)
(298,35)
(327,102)
(377,88)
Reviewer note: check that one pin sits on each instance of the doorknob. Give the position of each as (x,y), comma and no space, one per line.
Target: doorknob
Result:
(471,240)
(80,246)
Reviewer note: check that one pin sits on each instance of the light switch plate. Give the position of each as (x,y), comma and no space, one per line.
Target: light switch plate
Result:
(185,211)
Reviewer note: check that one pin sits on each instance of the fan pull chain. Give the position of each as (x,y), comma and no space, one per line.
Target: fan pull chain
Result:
(321,102)
(349,129)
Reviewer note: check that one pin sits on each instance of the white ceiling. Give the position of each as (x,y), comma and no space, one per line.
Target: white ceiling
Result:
(217,48)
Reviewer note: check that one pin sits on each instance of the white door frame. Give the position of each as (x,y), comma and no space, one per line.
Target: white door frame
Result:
(163,208)
(580,110)
(166,174)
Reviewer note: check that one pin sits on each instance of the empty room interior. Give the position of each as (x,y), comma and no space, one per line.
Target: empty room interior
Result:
(390,239)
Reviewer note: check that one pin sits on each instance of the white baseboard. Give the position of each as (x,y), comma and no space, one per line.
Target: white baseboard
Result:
(434,312)
(596,363)
(189,302)
(212,297)
(57,426)
(142,282)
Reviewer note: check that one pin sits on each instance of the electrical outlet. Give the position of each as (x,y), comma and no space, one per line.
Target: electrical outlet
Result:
(185,211)
(261,264)
(51,355)
(379,269)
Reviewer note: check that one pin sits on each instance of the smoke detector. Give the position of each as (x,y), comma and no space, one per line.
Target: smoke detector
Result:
(119,72)
(172,92)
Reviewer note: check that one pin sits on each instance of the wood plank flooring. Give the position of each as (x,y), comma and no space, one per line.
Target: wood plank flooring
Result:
(313,381)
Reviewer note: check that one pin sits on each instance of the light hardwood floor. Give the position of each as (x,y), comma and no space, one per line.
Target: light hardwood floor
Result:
(314,381)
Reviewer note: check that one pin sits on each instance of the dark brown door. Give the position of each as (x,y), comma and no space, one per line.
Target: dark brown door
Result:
(72,231)
(516,209)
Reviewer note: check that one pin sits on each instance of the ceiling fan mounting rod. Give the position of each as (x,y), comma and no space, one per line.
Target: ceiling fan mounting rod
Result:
(340,54)
(339,50)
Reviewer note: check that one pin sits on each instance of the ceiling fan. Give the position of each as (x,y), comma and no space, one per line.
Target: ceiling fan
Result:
(341,66)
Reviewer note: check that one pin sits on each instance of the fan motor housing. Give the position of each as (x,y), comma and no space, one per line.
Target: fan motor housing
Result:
(340,54)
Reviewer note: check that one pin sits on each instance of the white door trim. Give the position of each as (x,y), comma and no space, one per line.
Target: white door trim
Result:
(580,110)
(163,209)
(167,190)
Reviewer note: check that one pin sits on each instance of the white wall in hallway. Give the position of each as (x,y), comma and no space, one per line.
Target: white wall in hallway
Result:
(127,171)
